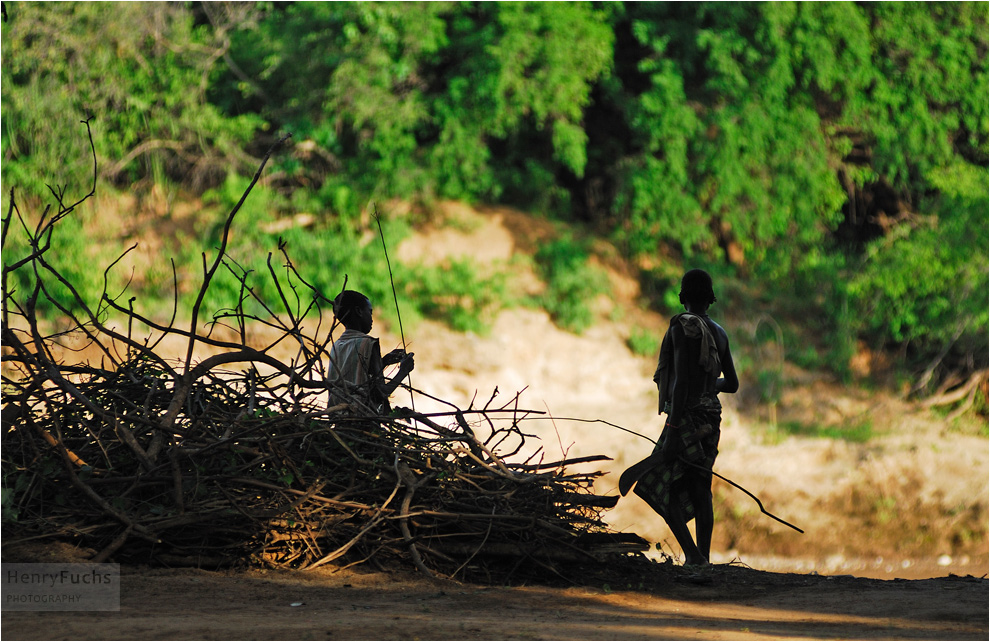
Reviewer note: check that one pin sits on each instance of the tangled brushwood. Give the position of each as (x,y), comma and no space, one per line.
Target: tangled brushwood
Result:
(237,457)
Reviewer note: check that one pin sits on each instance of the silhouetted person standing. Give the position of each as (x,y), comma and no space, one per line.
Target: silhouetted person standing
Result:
(673,481)
(356,363)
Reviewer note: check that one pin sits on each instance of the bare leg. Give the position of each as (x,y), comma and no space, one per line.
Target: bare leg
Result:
(704,516)
(678,526)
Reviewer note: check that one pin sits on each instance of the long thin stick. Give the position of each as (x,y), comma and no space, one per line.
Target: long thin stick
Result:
(402,334)
(755,498)
(707,470)
(591,421)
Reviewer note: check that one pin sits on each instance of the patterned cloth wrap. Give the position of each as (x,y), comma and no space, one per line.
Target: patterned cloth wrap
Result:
(699,432)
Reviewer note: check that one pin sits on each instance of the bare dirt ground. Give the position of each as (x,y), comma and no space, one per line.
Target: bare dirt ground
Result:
(895,542)
(636,602)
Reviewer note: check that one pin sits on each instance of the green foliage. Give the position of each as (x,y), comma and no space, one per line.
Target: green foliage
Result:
(571,282)
(8,510)
(140,70)
(740,157)
(324,254)
(427,98)
(72,255)
(455,293)
(927,281)
(15,482)
(858,432)
(817,292)
(713,132)
(644,342)
(767,382)
(248,246)
(928,98)
(737,134)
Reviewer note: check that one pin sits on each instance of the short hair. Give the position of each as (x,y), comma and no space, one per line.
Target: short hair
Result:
(347,302)
(696,287)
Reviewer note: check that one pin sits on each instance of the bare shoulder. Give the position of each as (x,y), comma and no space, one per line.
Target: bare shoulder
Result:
(717,328)
(721,337)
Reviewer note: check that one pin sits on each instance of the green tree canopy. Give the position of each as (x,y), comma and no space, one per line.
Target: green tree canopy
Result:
(792,142)
(140,70)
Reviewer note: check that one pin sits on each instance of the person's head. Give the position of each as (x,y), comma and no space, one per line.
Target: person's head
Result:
(696,289)
(353,309)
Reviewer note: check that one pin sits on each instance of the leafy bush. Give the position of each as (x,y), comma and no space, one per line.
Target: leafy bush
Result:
(139,70)
(815,296)
(859,432)
(454,293)
(326,252)
(927,283)
(644,342)
(571,282)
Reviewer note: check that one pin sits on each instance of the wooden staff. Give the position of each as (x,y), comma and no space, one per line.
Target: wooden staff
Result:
(402,334)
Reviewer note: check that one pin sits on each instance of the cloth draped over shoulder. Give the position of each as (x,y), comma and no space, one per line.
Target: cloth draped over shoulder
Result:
(694,327)
(655,482)
(350,365)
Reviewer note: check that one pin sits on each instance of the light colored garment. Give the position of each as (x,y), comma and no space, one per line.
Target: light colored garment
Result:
(351,362)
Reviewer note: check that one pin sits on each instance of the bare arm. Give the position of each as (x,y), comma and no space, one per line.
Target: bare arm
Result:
(406,365)
(729,382)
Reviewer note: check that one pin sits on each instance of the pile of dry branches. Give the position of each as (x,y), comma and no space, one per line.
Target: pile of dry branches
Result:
(239,458)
